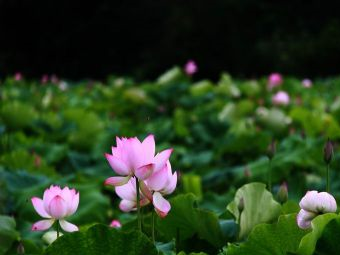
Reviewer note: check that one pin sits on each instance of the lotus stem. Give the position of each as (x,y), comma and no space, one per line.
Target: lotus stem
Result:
(270,176)
(328,180)
(138,206)
(153,226)
(57,229)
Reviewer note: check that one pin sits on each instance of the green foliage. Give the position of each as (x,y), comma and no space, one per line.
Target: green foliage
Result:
(259,207)
(8,234)
(102,240)
(275,239)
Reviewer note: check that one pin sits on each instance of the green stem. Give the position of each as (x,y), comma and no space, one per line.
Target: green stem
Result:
(57,229)
(153,225)
(328,180)
(270,176)
(138,205)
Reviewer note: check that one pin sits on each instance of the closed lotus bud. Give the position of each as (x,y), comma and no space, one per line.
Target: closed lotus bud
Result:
(21,248)
(271,149)
(282,194)
(240,205)
(328,152)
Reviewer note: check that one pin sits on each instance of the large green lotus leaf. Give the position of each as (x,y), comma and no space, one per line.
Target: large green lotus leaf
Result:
(102,240)
(8,234)
(259,207)
(186,220)
(271,239)
(328,243)
(308,242)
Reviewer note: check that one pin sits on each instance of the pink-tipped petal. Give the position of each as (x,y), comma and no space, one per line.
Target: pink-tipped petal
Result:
(135,154)
(116,224)
(57,207)
(144,172)
(158,180)
(148,146)
(49,194)
(42,225)
(39,207)
(161,159)
(326,203)
(67,226)
(117,180)
(171,185)
(304,219)
(127,206)
(161,205)
(118,165)
(145,190)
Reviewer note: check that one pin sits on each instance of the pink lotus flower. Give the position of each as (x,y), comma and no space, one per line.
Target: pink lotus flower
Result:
(280,98)
(274,80)
(18,76)
(313,204)
(307,83)
(190,67)
(162,182)
(116,224)
(57,204)
(44,79)
(134,158)
(128,194)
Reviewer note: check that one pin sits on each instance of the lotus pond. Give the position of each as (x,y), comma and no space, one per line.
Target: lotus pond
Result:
(172,166)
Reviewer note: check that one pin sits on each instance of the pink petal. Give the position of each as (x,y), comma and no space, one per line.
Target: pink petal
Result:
(148,146)
(74,204)
(118,165)
(144,172)
(304,219)
(128,190)
(145,190)
(161,205)
(57,207)
(66,194)
(310,201)
(67,226)
(39,207)
(49,194)
(135,153)
(42,225)
(117,180)
(158,180)
(127,206)
(161,159)
(326,203)
(171,185)
(116,224)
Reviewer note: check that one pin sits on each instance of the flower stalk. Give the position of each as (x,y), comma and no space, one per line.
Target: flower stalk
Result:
(138,205)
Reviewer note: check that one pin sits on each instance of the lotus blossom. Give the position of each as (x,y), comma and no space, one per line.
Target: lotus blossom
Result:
(18,76)
(307,83)
(128,194)
(44,79)
(190,67)
(162,182)
(280,98)
(134,158)
(57,204)
(313,204)
(116,224)
(274,80)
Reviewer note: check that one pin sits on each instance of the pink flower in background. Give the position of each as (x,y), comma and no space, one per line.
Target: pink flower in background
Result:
(44,79)
(190,67)
(18,76)
(57,204)
(54,79)
(116,224)
(280,98)
(134,158)
(274,80)
(313,204)
(307,83)
(127,193)
(161,182)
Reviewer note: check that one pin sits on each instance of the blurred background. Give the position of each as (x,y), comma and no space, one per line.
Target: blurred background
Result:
(76,39)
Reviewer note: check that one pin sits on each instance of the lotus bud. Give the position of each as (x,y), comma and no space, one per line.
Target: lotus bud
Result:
(190,67)
(21,248)
(282,194)
(328,152)
(115,224)
(240,205)
(271,150)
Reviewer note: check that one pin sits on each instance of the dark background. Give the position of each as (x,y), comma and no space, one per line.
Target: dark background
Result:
(248,38)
